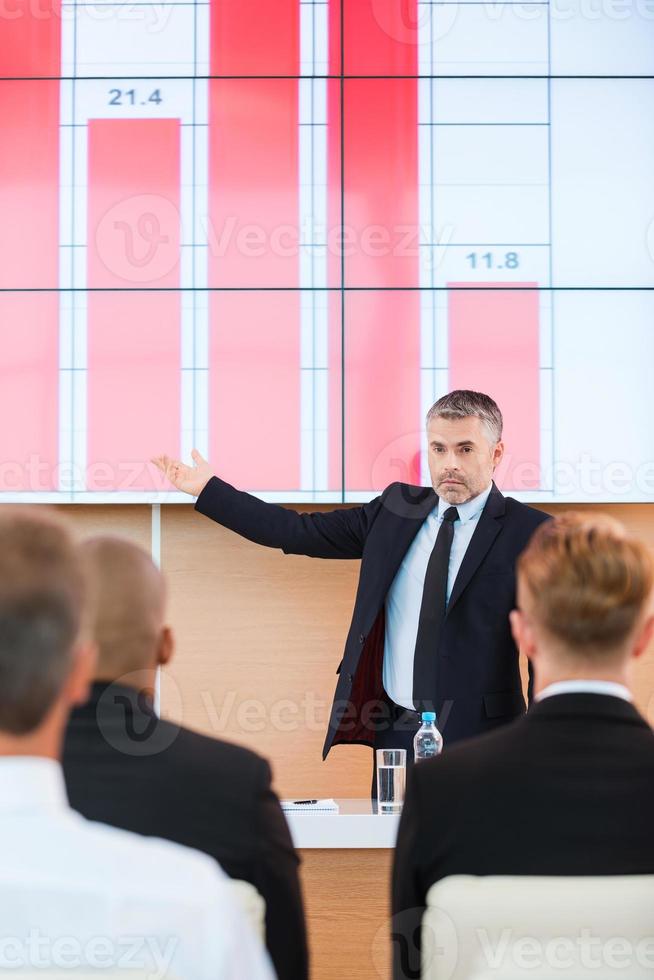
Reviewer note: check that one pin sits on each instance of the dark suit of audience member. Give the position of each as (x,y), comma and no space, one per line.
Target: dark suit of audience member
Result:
(126,767)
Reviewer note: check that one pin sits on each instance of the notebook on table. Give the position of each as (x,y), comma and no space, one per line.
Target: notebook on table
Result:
(329,805)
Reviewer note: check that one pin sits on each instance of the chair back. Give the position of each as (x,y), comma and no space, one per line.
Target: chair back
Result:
(539,928)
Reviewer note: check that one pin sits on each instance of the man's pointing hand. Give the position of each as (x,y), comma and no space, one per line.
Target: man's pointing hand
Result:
(188,479)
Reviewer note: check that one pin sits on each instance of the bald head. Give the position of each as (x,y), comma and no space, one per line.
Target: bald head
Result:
(131,602)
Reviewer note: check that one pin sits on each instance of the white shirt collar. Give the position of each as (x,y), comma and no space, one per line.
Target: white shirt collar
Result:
(31,783)
(585,687)
(471,508)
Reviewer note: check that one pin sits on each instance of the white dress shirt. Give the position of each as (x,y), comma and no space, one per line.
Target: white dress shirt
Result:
(585,687)
(78,893)
(405,594)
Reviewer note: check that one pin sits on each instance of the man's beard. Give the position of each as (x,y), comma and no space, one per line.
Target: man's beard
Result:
(460,491)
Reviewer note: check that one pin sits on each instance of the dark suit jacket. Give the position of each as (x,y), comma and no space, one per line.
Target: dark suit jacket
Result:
(125,767)
(568,789)
(478,677)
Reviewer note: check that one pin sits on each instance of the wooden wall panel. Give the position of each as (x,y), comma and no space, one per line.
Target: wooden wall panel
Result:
(259,637)
(127,521)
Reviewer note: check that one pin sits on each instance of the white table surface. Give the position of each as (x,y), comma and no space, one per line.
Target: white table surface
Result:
(356,825)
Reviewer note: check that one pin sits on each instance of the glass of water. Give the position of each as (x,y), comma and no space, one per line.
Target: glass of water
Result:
(391,778)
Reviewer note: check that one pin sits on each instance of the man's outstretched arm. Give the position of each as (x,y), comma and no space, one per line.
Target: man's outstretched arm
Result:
(335,534)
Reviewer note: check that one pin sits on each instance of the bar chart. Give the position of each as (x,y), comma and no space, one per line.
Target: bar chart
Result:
(278,232)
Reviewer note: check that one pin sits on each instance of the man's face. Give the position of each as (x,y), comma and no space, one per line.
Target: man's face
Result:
(461,458)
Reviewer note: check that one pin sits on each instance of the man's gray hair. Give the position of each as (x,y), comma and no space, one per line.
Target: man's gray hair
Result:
(42,600)
(463,404)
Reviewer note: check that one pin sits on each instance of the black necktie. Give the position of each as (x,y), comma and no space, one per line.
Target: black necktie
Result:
(432,613)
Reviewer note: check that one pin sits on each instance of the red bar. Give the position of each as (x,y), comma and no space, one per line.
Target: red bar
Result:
(381,37)
(334,20)
(255,38)
(382,383)
(494,347)
(334,259)
(335,394)
(381,182)
(253,197)
(29,185)
(29,386)
(381,219)
(133,338)
(255,389)
(30,45)
(253,209)
(30,39)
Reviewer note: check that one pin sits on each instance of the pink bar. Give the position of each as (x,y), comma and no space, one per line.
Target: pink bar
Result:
(29,185)
(261,38)
(255,433)
(382,328)
(133,337)
(334,275)
(334,27)
(494,347)
(253,195)
(382,382)
(30,39)
(29,384)
(255,389)
(381,182)
(30,45)
(335,394)
(381,37)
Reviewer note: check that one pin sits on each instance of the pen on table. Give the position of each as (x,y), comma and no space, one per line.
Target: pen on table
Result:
(298,802)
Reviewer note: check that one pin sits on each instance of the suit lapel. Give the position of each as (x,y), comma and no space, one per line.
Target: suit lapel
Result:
(488,527)
(412,508)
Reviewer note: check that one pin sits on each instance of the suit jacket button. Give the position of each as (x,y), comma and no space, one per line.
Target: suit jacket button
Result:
(350,678)
(361,638)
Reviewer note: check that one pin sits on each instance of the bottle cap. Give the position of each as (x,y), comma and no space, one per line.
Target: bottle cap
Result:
(429,716)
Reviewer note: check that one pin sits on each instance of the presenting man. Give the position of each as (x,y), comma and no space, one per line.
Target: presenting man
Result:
(430,627)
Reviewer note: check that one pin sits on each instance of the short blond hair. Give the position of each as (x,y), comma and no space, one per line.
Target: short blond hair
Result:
(588,581)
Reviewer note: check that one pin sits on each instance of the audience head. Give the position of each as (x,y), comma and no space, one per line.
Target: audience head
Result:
(584,595)
(129,616)
(46,657)
(464,444)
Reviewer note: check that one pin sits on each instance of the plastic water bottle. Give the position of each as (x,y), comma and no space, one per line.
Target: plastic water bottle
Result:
(428,741)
